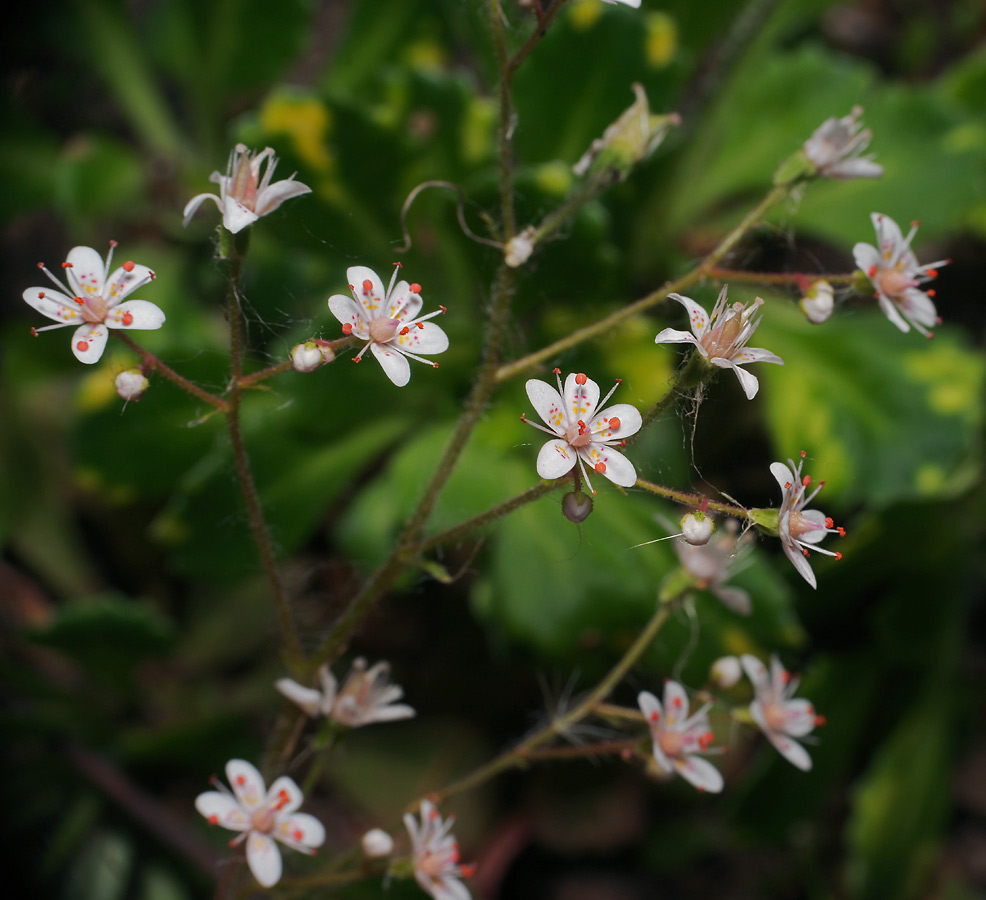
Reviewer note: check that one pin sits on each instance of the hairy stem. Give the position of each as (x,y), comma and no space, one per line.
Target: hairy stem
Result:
(697,500)
(797,278)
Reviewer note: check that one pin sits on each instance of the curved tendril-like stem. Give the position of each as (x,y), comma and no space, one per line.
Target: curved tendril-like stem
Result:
(558,726)
(605,324)
(152,362)
(459,212)
(696,500)
(291,648)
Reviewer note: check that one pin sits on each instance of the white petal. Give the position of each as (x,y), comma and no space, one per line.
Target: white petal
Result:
(286,793)
(329,689)
(448,887)
(192,206)
(264,859)
(735,598)
(890,311)
(555,458)
(699,773)
(698,318)
(53,304)
(137,314)
(221,809)
(747,381)
(799,561)
(88,343)
(87,272)
(426,338)
(300,831)
(629,419)
(756,671)
(391,712)
(673,336)
(916,305)
(236,216)
(395,364)
(403,303)
(349,312)
(123,282)
(675,702)
(580,399)
(756,354)
(651,707)
(791,750)
(799,717)
(615,466)
(859,167)
(274,195)
(308,699)
(547,404)
(246,782)
(784,476)
(371,298)
(866,257)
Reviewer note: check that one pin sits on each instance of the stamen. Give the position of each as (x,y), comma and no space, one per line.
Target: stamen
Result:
(347,328)
(580,378)
(415,288)
(600,467)
(128,266)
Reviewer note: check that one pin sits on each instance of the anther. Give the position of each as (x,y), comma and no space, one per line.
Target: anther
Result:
(399,265)
(128,266)
(932,273)
(367,286)
(213,820)
(347,328)
(842,531)
(128,318)
(421,325)
(80,301)
(556,371)
(806,480)
(838,556)
(829,522)
(82,346)
(614,423)
(415,288)
(932,292)
(444,309)
(820,720)
(34,331)
(601,468)
(67,265)
(434,365)
(405,330)
(41,265)
(113,244)
(580,378)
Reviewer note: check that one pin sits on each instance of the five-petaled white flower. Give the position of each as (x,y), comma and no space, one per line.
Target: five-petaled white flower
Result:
(780,718)
(366,696)
(721,338)
(243,195)
(678,737)
(712,564)
(797,526)
(261,817)
(435,855)
(894,272)
(389,321)
(92,300)
(835,146)
(583,434)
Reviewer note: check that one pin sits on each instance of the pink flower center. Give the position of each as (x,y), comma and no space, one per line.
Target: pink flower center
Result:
(578,435)
(775,715)
(244,182)
(672,743)
(94,309)
(719,341)
(893,282)
(263,820)
(383,330)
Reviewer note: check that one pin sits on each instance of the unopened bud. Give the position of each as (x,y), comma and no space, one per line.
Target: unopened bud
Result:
(131,384)
(697,528)
(310,355)
(818,302)
(377,843)
(726,672)
(576,506)
(519,248)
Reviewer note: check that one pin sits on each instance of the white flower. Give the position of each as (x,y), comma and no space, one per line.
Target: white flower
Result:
(436,855)
(584,434)
(835,147)
(818,302)
(797,526)
(894,271)
(130,384)
(377,844)
(243,195)
(390,322)
(726,672)
(92,301)
(780,717)
(678,738)
(366,696)
(714,563)
(721,338)
(261,817)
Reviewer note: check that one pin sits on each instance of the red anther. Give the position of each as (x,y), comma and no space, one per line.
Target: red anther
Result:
(556,371)
(41,295)
(128,266)
(622,443)
(241,780)
(367,286)
(580,378)
(67,265)
(467,871)
(871,271)
(932,273)
(932,292)
(421,325)
(415,288)
(838,556)
(128,318)
(80,301)
(523,417)
(806,480)
(614,423)
(948,262)
(298,834)
(820,720)
(232,843)
(434,365)
(803,454)
(347,328)
(41,265)
(601,468)
(398,265)
(153,275)
(806,553)
(829,522)
(433,813)
(34,331)
(676,703)
(655,716)
(915,223)
(113,243)
(931,334)
(357,359)
(405,330)
(785,676)
(787,486)
(82,346)
(444,309)
(821,484)
(351,288)
(842,531)
(938,320)
(213,820)
(619,381)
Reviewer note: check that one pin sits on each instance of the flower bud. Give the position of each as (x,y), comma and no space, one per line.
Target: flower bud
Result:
(519,248)
(576,506)
(131,384)
(697,528)
(310,355)
(726,672)
(377,843)
(818,302)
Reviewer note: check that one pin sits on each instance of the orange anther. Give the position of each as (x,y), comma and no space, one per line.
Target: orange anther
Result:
(241,780)
(820,720)
(82,346)
(213,820)
(347,328)
(67,265)
(415,288)
(367,286)
(838,556)
(932,273)
(842,531)
(34,331)
(421,325)
(556,371)
(806,480)
(601,468)
(128,266)
(580,378)
(614,423)
(113,243)
(444,309)
(80,301)
(932,292)
(405,330)
(128,318)
(829,523)
(41,265)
